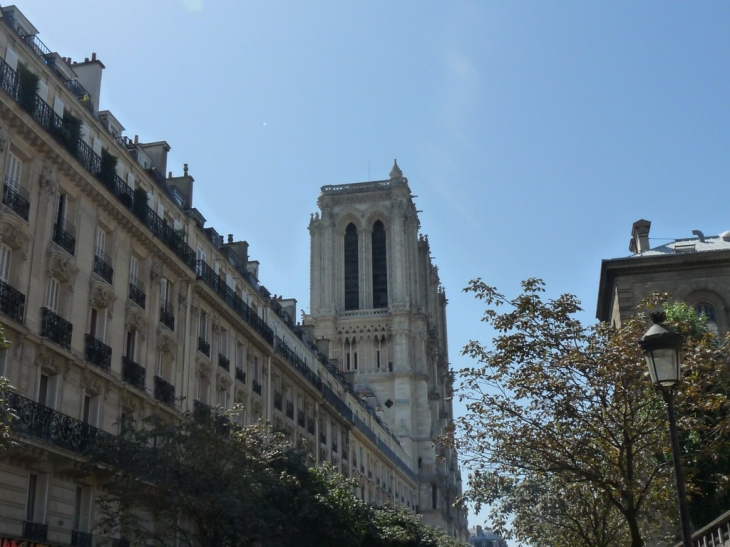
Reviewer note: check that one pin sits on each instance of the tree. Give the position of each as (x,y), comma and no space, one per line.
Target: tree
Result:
(206,483)
(555,406)
(7,415)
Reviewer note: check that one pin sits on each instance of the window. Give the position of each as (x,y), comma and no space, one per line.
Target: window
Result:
(703,308)
(203,326)
(352,273)
(13,170)
(31,501)
(47,389)
(100,244)
(165,294)
(5,254)
(131,345)
(97,324)
(380,267)
(90,412)
(60,208)
(133,269)
(35,507)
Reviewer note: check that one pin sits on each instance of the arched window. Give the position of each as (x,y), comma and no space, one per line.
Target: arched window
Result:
(380,267)
(703,308)
(352,285)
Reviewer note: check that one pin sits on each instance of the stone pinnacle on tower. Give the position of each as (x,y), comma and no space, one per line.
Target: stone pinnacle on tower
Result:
(396,173)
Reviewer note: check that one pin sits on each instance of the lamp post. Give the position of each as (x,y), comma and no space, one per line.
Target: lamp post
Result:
(661,350)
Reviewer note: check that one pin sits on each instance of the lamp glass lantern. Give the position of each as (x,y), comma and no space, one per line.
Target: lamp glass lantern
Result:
(661,350)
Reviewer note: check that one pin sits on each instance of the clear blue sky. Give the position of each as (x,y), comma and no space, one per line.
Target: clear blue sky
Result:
(533,133)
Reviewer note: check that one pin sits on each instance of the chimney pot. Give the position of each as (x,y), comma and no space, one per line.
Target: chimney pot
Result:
(93,56)
(640,236)
(169,174)
(230,238)
(185,169)
(136,139)
(86,59)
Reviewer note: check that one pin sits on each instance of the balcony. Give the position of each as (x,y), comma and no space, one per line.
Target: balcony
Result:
(164,391)
(133,374)
(98,353)
(278,400)
(300,418)
(102,266)
(256,388)
(241,375)
(81,539)
(12,302)
(35,531)
(136,291)
(17,199)
(63,236)
(223,362)
(290,410)
(80,93)
(203,347)
(56,328)
(166,318)
(41,422)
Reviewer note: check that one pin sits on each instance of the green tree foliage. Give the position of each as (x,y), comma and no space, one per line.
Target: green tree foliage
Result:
(6,414)
(208,484)
(565,434)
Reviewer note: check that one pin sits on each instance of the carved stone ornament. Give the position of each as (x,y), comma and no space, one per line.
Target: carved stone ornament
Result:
(137,320)
(240,395)
(62,266)
(14,232)
(47,183)
(101,295)
(204,369)
(129,403)
(155,271)
(216,325)
(182,296)
(195,306)
(92,384)
(166,342)
(19,345)
(224,382)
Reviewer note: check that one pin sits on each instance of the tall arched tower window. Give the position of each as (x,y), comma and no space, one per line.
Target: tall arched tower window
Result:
(352,274)
(380,267)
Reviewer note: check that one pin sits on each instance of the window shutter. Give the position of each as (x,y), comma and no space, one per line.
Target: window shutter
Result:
(42,90)
(13,168)
(101,325)
(54,288)
(100,241)
(96,146)
(58,106)
(5,254)
(11,58)
(133,265)
(163,293)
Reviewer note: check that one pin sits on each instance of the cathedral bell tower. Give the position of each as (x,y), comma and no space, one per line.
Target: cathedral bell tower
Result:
(378,312)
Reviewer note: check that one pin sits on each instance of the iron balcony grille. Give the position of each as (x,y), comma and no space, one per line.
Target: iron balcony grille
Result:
(41,422)
(102,266)
(56,328)
(136,292)
(132,373)
(290,410)
(166,318)
(80,93)
(63,236)
(278,400)
(256,387)
(81,539)
(12,302)
(98,353)
(297,362)
(223,362)
(300,418)
(241,375)
(164,391)
(17,199)
(203,347)
(35,531)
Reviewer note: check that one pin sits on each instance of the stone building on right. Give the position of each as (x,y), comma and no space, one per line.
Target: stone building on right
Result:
(695,270)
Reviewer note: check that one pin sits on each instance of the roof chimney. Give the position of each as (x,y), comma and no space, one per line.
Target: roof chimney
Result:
(699,234)
(639,236)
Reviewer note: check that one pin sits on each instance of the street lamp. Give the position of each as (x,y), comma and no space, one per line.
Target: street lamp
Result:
(661,350)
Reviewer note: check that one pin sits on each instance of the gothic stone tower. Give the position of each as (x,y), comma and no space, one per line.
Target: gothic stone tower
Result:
(379,313)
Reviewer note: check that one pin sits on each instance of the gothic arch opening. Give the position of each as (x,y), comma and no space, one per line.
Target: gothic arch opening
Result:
(380,267)
(352,274)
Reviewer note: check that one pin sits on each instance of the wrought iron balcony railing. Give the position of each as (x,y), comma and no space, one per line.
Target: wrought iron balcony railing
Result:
(241,375)
(12,302)
(133,374)
(56,328)
(164,391)
(80,93)
(256,387)
(290,410)
(35,531)
(223,362)
(81,539)
(300,418)
(17,199)
(166,318)
(136,292)
(203,347)
(41,422)
(297,362)
(98,353)
(102,266)
(63,236)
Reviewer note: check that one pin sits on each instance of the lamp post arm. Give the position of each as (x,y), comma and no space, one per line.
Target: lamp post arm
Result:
(668,394)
